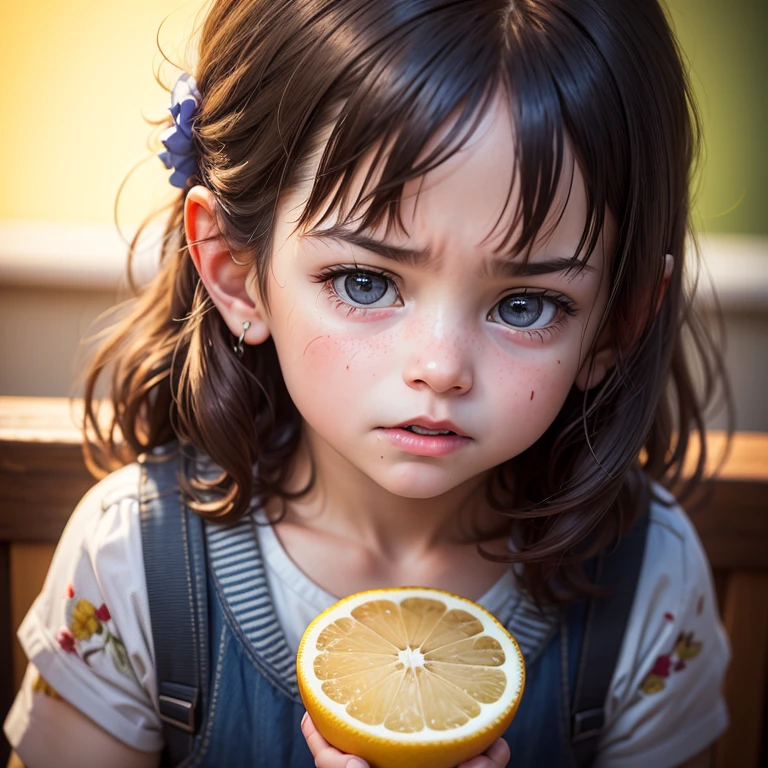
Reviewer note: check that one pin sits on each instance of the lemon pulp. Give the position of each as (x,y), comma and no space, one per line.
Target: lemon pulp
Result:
(410,667)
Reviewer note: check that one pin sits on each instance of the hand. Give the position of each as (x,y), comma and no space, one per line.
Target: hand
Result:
(327,756)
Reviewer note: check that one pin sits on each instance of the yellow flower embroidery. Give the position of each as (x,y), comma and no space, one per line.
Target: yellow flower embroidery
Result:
(686,648)
(84,622)
(88,632)
(652,684)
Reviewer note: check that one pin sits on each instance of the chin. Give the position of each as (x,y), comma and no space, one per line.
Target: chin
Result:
(417,482)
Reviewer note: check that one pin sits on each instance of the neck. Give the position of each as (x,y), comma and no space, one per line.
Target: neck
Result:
(345,502)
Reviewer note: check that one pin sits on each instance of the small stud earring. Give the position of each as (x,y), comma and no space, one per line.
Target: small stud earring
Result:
(239,263)
(240,346)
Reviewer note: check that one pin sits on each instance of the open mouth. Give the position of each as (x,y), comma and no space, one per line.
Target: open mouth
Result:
(417,430)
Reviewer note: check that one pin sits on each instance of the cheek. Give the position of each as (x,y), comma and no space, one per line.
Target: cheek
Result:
(520,371)
(527,394)
(326,370)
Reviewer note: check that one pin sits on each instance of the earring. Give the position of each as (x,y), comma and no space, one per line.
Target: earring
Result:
(239,263)
(240,346)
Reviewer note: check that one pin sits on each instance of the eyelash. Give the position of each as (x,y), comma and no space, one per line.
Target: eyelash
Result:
(565,306)
(328,275)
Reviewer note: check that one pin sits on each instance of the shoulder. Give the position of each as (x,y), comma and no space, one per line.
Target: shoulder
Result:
(112,495)
(675,590)
(674,555)
(88,632)
(104,528)
(665,702)
(104,531)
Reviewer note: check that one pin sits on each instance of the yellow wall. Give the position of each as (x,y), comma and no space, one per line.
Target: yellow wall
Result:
(76,77)
(77,74)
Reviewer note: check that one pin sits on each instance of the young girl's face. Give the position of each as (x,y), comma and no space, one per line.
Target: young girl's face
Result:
(388,338)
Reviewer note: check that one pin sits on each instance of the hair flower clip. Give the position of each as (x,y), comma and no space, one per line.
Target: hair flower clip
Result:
(179,153)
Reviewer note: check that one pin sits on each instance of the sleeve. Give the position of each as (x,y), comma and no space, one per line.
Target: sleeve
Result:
(665,703)
(88,632)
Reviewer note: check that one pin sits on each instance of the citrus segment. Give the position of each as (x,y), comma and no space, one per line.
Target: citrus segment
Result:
(409,676)
(483,684)
(373,706)
(349,687)
(474,651)
(420,617)
(454,626)
(405,714)
(383,617)
(346,634)
(445,705)
(331,666)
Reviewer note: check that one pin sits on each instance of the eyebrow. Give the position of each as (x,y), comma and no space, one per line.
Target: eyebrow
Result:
(409,256)
(498,267)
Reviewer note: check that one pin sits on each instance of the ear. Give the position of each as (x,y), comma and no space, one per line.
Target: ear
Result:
(228,283)
(598,363)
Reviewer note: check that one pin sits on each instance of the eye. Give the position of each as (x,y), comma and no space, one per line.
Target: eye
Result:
(365,289)
(527,312)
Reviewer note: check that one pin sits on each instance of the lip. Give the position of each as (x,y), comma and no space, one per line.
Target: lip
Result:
(425,445)
(427,423)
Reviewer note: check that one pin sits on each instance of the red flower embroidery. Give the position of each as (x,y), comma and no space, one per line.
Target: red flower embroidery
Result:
(66,640)
(69,591)
(661,666)
(686,648)
(668,616)
(102,613)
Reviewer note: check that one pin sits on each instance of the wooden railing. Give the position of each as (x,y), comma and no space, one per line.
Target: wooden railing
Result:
(42,477)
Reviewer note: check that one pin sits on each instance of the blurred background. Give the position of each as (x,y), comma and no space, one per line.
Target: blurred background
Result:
(79,83)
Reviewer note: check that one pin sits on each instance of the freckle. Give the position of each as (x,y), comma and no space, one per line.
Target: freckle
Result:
(381,457)
(531,394)
(558,362)
(347,367)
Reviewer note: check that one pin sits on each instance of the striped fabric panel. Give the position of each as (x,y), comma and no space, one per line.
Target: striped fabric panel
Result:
(236,561)
(531,627)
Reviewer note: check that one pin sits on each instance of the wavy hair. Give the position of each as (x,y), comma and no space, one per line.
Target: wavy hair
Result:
(378,78)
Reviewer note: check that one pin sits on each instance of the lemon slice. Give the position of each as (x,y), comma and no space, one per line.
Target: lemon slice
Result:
(409,677)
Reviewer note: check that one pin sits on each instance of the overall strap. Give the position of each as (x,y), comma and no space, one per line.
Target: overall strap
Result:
(606,621)
(172,540)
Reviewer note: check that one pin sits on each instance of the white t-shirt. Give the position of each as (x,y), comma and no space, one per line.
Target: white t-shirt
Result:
(89,633)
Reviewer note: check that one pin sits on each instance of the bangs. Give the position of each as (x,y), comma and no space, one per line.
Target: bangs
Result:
(414,96)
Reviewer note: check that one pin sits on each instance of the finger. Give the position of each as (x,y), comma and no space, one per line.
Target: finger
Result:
(325,755)
(499,753)
(496,756)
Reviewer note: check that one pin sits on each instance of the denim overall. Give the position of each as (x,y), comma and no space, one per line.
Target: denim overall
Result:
(251,709)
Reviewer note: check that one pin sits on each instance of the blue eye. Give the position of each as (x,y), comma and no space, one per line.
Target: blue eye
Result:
(365,289)
(524,311)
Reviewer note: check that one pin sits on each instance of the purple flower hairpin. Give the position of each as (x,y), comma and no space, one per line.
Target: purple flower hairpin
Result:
(179,153)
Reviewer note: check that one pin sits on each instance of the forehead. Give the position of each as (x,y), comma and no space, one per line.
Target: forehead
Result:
(473,199)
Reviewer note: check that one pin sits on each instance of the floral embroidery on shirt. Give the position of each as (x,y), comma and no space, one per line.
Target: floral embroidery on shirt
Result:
(41,685)
(87,632)
(685,649)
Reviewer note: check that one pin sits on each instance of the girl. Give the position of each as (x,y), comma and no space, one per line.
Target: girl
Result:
(418,318)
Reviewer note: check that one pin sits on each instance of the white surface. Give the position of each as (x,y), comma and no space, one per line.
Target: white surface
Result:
(65,255)
(48,254)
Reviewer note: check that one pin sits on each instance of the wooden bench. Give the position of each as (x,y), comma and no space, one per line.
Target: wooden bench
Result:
(42,477)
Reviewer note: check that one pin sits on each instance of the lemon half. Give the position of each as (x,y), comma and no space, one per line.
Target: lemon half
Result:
(409,677)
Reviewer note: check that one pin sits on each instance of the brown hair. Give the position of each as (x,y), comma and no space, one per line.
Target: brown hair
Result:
(606,74)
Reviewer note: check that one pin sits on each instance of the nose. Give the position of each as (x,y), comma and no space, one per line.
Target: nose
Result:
(439,360)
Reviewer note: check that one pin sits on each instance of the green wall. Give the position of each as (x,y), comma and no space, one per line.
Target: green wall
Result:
(725,42)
